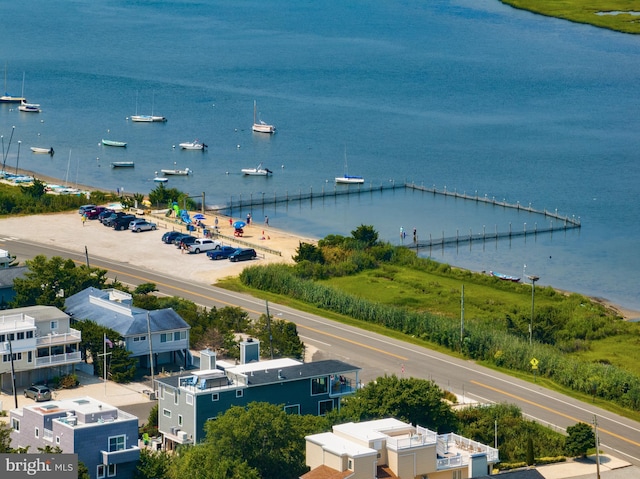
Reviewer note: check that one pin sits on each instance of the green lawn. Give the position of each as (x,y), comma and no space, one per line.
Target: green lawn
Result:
(586,11)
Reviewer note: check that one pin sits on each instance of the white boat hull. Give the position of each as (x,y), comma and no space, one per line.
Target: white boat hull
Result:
(42,151)
(160,179)
(350,180)
(184,172)
(30,107)
(254,172)
(263,128)
(148,119)
(193,146)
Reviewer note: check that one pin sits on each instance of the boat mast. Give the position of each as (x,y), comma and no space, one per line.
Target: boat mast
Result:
(254,112)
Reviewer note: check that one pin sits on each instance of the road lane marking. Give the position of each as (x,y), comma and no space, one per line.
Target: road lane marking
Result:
(553,411)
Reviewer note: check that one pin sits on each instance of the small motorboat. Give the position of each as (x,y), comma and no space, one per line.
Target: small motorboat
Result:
(505,277)
(42,151)
(194,145)
(184,172)
(160,179)
(257,171)
(122,164)
(121,144)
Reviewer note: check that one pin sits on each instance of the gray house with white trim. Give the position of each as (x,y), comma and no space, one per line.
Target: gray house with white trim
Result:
(161,332)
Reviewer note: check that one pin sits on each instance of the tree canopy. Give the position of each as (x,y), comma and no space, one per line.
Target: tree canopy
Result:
(580,438)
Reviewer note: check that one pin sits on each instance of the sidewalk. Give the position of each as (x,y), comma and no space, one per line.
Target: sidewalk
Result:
(610,468)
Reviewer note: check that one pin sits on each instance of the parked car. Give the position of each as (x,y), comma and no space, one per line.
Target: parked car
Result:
(144,225)
(84,208)
(38,393)
(203,244)
(242,254)
(169,236)
(123,222)
(94,213)
(108,221)
(221,253)
(105,214)
(137,220)
(180,237)
(185,241)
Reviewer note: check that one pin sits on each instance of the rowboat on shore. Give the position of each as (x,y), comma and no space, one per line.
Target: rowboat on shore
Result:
(121,144)
(42,151)
(122,164)
(505,277)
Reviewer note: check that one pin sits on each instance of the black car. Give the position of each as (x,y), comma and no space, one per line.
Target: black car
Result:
(122,223)
(108,220)
(242,254)
(185,241)
(170,236)
(105,214)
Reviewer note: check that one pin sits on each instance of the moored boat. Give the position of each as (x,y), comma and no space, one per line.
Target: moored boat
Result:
(7,98)
(123,164)
(160,179)
(257,171)
(349,179)
(194,145)
(42,151)
(120,144)
(176,172)
(148,118)
(260,126)
(29,107)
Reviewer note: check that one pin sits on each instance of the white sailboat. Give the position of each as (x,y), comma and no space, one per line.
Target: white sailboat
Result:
(28,107)
(147,118)
(260,126)
(6,98)
(347,178)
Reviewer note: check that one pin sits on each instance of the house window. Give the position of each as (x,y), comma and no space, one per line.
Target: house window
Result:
(166,413)
(20,335)
(29,334)
(30,356)
(37,432)
(176,398)
(319,385)
(164,337)
(239,393)
(12,337)
(3,338)
(54,325)
(111,470)
(350,464)
(457,474)
(15,424)
(215,397)
(324,407)
(100,471)
(179,419)
(295,409)
(116,443)
(190,399)
(58,440)
(136,339)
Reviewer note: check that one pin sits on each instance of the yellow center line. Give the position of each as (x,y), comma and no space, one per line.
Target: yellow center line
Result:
(340,338)
(546,408)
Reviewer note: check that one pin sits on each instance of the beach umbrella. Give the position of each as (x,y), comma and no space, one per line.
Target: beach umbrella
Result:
(239,224)
(199,216)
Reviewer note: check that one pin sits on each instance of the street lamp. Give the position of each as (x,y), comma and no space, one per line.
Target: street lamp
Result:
(533,279)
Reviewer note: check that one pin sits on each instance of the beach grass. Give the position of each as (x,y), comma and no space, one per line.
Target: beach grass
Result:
(614,15)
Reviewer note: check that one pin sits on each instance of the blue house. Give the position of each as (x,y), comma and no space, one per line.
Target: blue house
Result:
(161,333)
(104,437)
(187,401)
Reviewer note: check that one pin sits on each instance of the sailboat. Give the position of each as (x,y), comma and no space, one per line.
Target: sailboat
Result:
(28,107)
(260,126)
(6,98)
(147,118)
(346,178)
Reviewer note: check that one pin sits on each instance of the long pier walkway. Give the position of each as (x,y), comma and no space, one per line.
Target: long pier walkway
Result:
(557,222)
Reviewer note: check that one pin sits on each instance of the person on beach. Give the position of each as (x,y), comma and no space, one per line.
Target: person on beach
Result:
(230,221)
(266,221)
(84,219)
(248,219)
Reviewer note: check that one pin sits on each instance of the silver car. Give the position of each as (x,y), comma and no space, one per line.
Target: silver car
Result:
(142,225)
(38,393)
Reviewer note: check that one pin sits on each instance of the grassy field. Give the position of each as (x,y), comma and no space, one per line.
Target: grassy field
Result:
(587,11)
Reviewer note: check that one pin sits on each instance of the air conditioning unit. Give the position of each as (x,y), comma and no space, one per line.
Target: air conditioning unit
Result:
(183,436)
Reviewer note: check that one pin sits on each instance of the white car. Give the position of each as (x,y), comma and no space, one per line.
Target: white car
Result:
(203,244)
(142,225)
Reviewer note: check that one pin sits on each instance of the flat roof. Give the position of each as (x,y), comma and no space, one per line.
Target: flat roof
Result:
(339,446)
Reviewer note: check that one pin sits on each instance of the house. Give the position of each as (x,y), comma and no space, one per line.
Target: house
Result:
(162,333)
(39,343)
(187,401)
(7,276)
(104,437)
(393,449)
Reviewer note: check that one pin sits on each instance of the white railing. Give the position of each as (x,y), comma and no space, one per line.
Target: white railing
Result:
(57,359)
(59,338)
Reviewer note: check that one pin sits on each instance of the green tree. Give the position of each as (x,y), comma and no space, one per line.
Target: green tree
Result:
(366,235)
(35,190)
(5,438)
(308,252)
(122,365)
(413,400)
(282,336)
(83,471)
(49,282)
(145,288)
(204,462)
(153,464)
(530,454)
(580,438)
(267,438)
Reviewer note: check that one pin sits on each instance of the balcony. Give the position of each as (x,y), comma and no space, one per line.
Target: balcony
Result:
(58,359)
(51,339)
(131,454)
(341,386)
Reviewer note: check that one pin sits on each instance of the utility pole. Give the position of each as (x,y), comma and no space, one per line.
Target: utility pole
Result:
(462,317)
(533,279)
(269,327)
(13,375)
(150,348)
(595,427)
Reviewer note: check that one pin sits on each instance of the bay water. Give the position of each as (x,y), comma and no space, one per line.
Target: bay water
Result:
(468,95)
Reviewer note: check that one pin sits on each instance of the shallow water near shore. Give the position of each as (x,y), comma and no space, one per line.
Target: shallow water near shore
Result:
(431,94)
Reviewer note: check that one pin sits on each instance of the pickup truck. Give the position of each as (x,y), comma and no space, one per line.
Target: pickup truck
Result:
(203,244)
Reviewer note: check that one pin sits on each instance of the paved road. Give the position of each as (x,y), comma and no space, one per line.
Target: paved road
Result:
(378,355)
